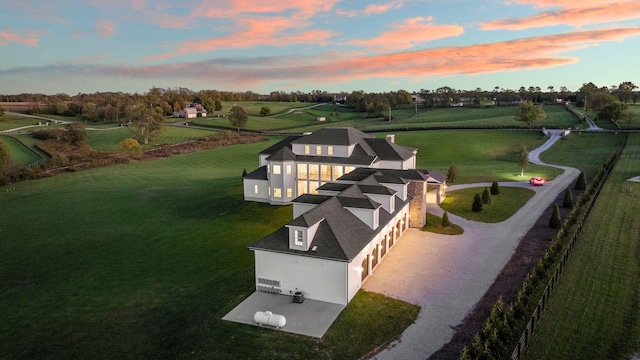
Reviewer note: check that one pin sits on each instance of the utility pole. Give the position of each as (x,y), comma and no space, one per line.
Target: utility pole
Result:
(389,113)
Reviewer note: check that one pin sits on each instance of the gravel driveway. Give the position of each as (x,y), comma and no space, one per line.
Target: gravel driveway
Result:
(447,275)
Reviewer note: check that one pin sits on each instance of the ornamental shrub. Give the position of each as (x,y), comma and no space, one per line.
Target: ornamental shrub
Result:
(568,198)
(131,147)
(581,183)
(486,196)
(477,203)
(445,220)
(495,190)
(556,221)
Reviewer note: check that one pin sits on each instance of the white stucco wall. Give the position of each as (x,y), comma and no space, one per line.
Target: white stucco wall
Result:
(319,279)
(249,190)
(367,216)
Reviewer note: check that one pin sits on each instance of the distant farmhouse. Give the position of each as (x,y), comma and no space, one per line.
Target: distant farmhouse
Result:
(192,111)
(353,197)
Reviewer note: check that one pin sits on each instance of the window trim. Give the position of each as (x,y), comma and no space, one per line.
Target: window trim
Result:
(298,238)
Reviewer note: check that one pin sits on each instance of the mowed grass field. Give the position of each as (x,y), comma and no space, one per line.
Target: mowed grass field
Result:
(499,116)
(12,121)
(594,313)
(108,138)
(479,155)
(21,154)
(143,260)
(501,208)
(583,150)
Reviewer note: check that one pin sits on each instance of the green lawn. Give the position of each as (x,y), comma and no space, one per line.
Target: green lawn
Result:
(434,225)
(594,313)
(21,154)
(502,207)
(107,140)
(479,155)
(583,150)
(11,121)
(142,261)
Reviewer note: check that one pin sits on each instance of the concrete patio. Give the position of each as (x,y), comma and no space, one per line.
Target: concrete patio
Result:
(310,318)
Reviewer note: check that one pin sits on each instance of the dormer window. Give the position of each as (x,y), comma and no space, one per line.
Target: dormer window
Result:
(298,238)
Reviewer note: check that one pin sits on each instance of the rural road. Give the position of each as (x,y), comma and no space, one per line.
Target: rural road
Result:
(447,275)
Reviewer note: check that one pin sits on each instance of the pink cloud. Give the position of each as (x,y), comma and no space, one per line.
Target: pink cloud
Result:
(105,28)
(375,9)
(335,67)
(574,13)
(339,67)
(408,33)
(233,8)
(272,31)
(30,38)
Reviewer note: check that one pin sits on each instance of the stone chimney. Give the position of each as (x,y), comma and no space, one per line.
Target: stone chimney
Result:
(391,138)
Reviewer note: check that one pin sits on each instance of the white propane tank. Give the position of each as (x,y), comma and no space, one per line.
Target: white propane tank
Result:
(269,318)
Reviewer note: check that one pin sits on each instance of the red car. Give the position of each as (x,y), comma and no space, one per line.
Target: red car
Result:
(537,181)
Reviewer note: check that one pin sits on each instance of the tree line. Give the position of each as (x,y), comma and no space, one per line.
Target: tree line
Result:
(116,106)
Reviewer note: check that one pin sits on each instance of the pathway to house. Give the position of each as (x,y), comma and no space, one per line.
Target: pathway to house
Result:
(51,120)
(447,275)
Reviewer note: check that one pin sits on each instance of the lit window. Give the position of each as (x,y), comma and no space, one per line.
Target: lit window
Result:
(306,150)
(255,189)
(289,192)
(313,187)
(302,187)
(348,169)
(276,169)
(314,170)
(277,192)
(302,171)
(297,238)
(325,172)
(318,150)
(337,172)
(288,169)
(330,150)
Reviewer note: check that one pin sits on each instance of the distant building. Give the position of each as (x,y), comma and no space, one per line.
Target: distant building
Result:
(192,111)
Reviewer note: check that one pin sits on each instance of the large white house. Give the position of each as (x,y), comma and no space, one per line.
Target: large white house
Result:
(345,221)
(299,165)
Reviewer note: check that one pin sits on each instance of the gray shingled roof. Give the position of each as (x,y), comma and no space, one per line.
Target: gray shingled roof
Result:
(367,148)
(340,234)
(390,151)
(279,145)
(334,136)
(392,176)
(311,198)
(257,174)
(332,186)
(283,154)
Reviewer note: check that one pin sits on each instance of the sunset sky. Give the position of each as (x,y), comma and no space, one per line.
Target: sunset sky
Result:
(57,46)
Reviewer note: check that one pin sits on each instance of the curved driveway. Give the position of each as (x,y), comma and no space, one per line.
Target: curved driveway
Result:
(447,275)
